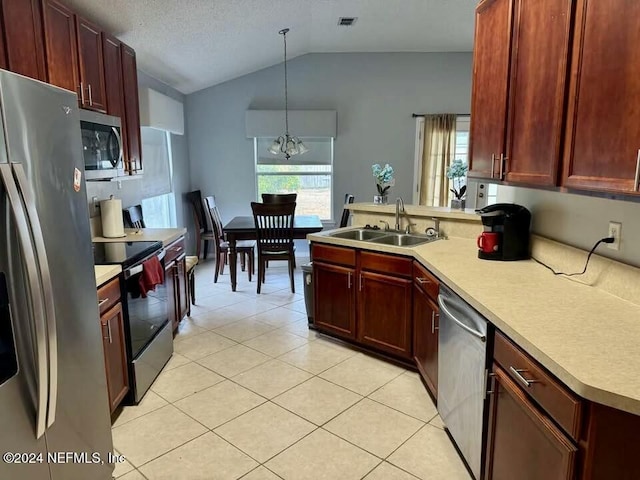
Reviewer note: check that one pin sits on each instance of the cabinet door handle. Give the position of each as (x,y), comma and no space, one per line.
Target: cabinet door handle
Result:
(636,185)
(490,378)
(82,93)
(90,98)
(518,374)
(103,301)
(503,161)
(108,337)
(349,281)
(361,282)
(433,321)
(423,281)
(493,165)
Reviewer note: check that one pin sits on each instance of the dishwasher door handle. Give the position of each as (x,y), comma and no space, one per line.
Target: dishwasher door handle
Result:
(473,332)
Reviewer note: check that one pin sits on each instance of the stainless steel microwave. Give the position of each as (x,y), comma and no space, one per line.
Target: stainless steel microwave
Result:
(101,145)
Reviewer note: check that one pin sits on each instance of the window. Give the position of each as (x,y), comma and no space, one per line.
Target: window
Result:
(309,175)
(462,146)
(158,204)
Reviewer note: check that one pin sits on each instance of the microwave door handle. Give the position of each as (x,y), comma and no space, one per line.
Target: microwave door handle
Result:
(473,332)
(47,287)
(37,302)
(119,139)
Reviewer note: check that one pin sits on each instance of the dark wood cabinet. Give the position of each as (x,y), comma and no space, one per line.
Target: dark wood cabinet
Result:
(112,60)
(91,66)
(426,318)
(113,342)
(335,299)
(537,90)
(133,158)
(522,441)
(115,355)
(519,86)
(61,47)
(602,143)
(171,283)
(176,281)
(384,313)
(491,52)
(23,39)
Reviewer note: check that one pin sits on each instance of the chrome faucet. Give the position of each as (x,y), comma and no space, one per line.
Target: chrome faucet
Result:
(399,209)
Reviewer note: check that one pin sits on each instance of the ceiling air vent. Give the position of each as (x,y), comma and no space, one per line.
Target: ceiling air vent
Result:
(347,21)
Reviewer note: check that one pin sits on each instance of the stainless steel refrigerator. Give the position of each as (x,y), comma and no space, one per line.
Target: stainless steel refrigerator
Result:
(54,413)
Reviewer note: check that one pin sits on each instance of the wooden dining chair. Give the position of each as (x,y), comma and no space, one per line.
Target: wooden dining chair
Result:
(203,232)
(133,217)
(348,199)
(244,247)
(279,197)
(274,230)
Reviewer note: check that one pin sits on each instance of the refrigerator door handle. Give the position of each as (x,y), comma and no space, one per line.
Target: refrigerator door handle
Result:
(37,302)
(47,288)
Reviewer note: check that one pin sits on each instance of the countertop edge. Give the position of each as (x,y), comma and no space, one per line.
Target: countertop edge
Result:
(104,273)
(585,390)
(165,235)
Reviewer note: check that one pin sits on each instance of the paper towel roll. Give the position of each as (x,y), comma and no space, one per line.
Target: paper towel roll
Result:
(112,222)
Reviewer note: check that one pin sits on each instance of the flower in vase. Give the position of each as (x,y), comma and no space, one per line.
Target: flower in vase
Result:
(455,172)
(384,177)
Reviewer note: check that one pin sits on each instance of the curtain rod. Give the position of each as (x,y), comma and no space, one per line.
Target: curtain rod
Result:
(414,115)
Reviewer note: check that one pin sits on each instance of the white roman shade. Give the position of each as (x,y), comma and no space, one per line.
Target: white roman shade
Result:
(302,123)
(161,112)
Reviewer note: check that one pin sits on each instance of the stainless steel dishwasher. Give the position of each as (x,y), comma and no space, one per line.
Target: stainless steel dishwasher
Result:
(462,375)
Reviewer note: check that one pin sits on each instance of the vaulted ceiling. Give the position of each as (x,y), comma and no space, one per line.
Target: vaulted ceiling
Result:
(193,44)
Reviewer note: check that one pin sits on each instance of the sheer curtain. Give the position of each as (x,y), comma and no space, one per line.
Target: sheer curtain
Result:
(437,153)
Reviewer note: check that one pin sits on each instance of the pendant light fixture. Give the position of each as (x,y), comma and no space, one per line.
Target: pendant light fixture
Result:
(287,144)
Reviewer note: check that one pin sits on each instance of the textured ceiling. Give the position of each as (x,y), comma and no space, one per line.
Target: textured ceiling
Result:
(193,44)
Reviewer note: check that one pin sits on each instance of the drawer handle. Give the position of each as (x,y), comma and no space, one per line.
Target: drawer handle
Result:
(518,374)
(423,281)
(102,302)
(636,184)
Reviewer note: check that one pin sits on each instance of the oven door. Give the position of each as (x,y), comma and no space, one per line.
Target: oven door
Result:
(147,311)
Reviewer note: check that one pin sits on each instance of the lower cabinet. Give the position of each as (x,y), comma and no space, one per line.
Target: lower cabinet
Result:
(335,299)
(522,441)
(113,342)
(364,296)
(175,273)
(425,338)
(384,313)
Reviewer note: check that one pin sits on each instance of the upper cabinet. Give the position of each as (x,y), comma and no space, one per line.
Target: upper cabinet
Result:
(91,63)
(61,47)
(602,147)
(520,69)
(565,113)
(22,26)
(490,83)
(131,109)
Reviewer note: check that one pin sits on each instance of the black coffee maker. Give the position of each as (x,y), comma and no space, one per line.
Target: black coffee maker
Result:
(506,232)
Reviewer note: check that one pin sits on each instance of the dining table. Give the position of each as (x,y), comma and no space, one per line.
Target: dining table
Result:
(244,228)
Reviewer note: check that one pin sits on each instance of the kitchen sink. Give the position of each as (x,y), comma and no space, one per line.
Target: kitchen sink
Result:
(360,234)
(402,240)
(386,238)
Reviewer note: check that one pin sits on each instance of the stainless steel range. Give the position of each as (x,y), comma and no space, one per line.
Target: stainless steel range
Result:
(148,332)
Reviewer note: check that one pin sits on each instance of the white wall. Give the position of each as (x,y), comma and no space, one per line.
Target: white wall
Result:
(580,220)
(374,95)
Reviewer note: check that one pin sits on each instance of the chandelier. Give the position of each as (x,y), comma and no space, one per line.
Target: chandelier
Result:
(286,143)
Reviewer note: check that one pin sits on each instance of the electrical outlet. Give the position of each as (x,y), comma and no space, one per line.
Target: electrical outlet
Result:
(615,231)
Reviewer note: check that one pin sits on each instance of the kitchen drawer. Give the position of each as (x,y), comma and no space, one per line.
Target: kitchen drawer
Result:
(174,250)
(109,295)
(329,254)
(379,262)
(426,281)
(559,403)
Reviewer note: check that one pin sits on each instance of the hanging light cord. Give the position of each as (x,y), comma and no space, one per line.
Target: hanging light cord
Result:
(286,96)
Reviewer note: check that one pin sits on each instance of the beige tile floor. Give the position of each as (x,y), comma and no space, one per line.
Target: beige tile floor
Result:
(251,393)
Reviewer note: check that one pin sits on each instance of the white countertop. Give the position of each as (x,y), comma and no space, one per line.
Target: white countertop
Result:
(586,337)
(164,235)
